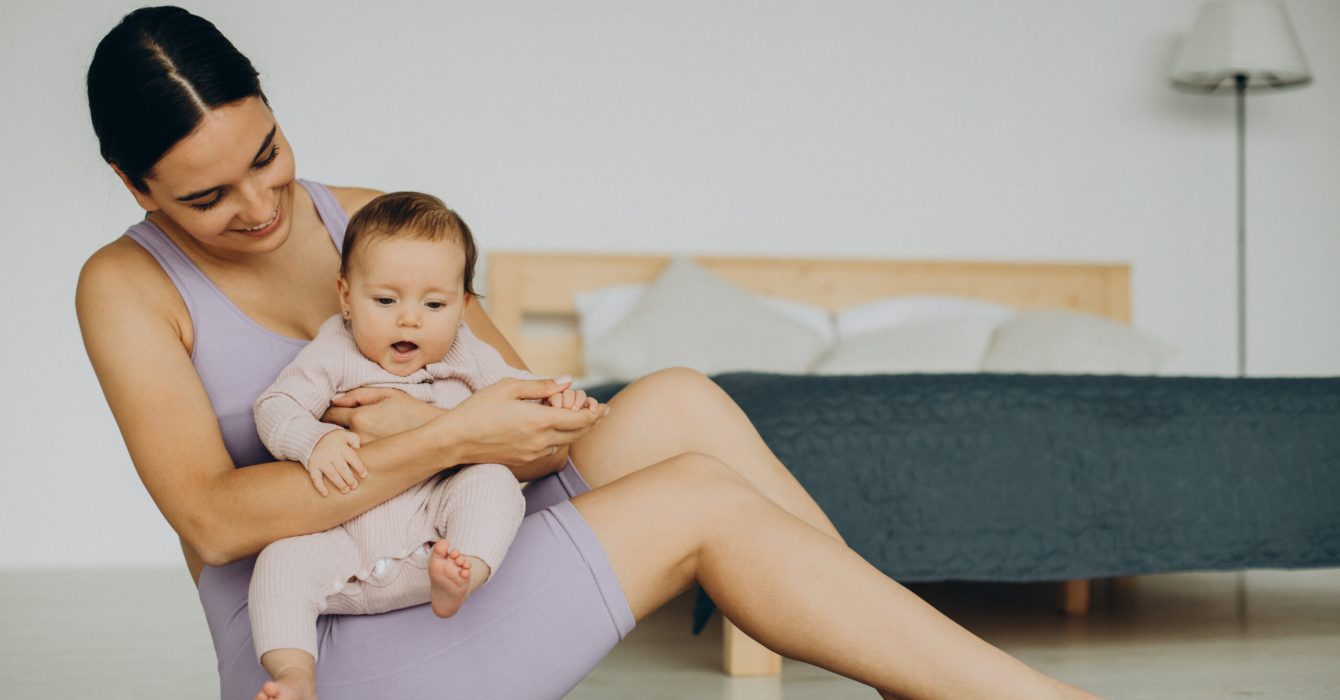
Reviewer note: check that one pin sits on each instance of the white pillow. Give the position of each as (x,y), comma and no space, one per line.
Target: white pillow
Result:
(912,309)
(689,317)
(955,345)
(599,309)
(1068,342)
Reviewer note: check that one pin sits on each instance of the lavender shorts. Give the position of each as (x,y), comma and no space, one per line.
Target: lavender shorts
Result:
(542,622)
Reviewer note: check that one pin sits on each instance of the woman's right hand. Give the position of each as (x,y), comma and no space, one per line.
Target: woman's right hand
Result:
(504,424)
(377,412)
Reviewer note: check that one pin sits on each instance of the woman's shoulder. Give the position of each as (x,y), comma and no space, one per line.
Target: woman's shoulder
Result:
(124,273)
(122,265)
(351,199)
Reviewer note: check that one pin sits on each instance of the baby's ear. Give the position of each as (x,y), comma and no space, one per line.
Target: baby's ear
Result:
(342,290)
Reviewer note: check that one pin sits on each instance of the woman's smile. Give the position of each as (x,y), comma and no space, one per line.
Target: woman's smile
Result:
(267,227)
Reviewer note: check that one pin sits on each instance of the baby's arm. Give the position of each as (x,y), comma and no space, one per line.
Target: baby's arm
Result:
(286,413)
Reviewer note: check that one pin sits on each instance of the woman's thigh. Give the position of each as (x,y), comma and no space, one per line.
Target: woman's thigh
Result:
(651,523)
(549,614)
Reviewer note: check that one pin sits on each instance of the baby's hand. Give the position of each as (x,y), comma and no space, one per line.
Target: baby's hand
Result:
(574,399)
(334,459)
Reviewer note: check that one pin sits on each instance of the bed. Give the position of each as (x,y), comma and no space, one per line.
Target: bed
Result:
(998,477)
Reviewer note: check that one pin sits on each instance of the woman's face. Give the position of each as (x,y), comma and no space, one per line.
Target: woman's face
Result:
(228,184)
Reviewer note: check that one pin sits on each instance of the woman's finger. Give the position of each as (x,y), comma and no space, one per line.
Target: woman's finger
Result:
(338,416)
(362,396)
(539,388)
(569,421)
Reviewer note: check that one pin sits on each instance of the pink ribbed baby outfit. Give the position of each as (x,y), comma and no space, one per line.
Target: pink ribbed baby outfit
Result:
(476,509)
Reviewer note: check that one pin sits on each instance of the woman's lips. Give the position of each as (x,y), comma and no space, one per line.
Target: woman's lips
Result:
(267,228)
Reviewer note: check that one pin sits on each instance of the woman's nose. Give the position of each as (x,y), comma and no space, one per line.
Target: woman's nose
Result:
(258,206)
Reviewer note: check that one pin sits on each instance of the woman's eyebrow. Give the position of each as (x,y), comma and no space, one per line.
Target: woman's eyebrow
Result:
(269,138)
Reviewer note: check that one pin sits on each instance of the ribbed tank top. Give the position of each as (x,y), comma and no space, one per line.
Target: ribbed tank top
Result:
(236,358)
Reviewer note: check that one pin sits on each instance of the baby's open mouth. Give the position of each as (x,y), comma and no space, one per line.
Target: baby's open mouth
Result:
(404,347)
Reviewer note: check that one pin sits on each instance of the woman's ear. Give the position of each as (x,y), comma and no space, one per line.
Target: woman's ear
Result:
(141,198)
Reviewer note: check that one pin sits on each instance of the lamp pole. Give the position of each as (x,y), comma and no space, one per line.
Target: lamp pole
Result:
(1240,82)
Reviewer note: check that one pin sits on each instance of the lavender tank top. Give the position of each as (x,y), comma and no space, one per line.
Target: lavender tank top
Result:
(236,358)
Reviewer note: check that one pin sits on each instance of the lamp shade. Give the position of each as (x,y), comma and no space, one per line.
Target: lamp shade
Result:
(1251,38)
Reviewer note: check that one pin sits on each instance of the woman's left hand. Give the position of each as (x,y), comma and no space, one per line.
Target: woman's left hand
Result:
(378,412)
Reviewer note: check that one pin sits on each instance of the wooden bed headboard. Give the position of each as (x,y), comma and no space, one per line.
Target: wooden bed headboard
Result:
(530,286)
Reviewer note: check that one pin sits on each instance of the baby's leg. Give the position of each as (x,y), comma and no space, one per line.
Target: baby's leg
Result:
(289,586)
(479,510)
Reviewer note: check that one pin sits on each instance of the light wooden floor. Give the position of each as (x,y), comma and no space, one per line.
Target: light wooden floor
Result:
(1275,634)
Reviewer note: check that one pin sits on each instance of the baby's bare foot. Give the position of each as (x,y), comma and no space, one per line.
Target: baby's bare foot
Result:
(449,573)
(289,684)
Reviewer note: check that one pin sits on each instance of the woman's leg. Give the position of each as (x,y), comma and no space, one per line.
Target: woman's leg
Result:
(789,585)
(679,410)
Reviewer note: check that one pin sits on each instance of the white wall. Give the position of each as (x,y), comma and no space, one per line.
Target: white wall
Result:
(1034,129)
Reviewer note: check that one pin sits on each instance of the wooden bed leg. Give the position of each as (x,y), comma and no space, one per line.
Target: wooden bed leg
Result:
(742,656)
(1075,597)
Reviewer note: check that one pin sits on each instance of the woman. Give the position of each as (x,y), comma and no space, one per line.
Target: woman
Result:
(193,312)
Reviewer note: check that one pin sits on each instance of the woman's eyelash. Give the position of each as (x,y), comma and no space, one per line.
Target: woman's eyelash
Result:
(274,153)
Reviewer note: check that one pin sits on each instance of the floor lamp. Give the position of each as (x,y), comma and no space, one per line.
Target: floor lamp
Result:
(1237,46)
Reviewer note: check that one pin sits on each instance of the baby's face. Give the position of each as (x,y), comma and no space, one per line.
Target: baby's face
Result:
(404,299)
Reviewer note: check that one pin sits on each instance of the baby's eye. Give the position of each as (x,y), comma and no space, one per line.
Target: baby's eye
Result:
(436,305)
(383,301)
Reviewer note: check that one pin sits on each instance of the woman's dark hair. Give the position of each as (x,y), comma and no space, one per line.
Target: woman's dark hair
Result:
(411,215)
(152,79)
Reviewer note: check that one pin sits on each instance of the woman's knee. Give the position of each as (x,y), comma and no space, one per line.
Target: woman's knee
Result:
(686,396)
(678,383)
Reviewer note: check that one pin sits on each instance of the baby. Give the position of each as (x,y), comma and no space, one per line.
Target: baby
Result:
(405,276)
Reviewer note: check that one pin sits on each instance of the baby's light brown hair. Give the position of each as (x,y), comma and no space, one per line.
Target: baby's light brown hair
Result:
(412,215)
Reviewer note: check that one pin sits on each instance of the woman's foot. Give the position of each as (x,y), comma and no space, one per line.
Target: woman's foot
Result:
(449,573)
(290,684)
